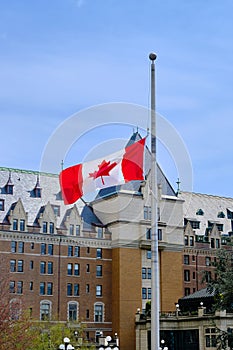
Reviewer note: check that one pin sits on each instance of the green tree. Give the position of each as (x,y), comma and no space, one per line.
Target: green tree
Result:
(222,285)
(50,334)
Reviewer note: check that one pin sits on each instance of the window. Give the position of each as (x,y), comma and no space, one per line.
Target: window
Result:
(191,241)
(148,233)
(42,288)
(87,313)
(50,249)
(149,273)
(98,270)
(186,291)
(200,212)
(219,227)
(208,276)
(31,265)
(160,234)
(13,247)
(71,229)
(32,245)
(99,253)
(49,288)
(50,267)
(186,240)
(76,289)
(99,290)
(12,265)
(149,293)
(15,309)
(186,275)
(69,269)
(144,293)
(193,258)
(56,210)
(43,249)
(45,310)
(69,289)
(212,243)
(9,189)
(210,338)
(70,250)
(37,192)
(77,251)
(20,266)
(20,247)
(2,205)
(217,242)
(76,269)
(12,286)
(221,214)
(207,261)
(186,259)
(77,230)
(98,312)
(51,227)
(15,224)
(194,223)
(147,213)
(22,225)
(148,254)
(100,232)
(72,311)
(143,273)
(42,267)
(45,227)
(87,288)
(88,250)
(19,287)
(88,268)
(194,275)
(31,285)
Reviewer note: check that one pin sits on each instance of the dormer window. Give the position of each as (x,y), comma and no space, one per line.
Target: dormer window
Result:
(9,186)
(200,212)
(2,206)
(221,214)
(37,188)
(194,223)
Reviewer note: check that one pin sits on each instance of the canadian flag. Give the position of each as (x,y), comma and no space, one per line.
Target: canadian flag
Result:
(115,169)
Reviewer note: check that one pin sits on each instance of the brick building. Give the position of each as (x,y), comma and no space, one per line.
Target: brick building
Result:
(92,262)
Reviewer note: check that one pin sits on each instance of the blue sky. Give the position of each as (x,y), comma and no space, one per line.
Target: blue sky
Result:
(58,57)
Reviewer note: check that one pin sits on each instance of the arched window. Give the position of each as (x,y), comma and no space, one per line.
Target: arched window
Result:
(45,310)
(72,311)
(15,309)
(98,312)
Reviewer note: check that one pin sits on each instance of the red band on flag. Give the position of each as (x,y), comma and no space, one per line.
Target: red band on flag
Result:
(132,163)
(71,180)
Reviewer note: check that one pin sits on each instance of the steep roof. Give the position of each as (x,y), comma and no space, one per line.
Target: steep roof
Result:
(211,207)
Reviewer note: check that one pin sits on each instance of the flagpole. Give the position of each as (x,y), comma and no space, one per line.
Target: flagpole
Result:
(155,290)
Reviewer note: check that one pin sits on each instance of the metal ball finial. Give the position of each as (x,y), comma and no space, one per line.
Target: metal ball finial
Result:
(152,56)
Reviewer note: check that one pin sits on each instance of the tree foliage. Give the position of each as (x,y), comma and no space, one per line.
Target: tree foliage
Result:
(222,283)
(15,324)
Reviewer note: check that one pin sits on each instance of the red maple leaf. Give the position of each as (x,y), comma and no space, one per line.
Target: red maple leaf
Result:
(104,170)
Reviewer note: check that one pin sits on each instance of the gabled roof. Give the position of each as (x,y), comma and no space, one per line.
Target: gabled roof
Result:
(89,218)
